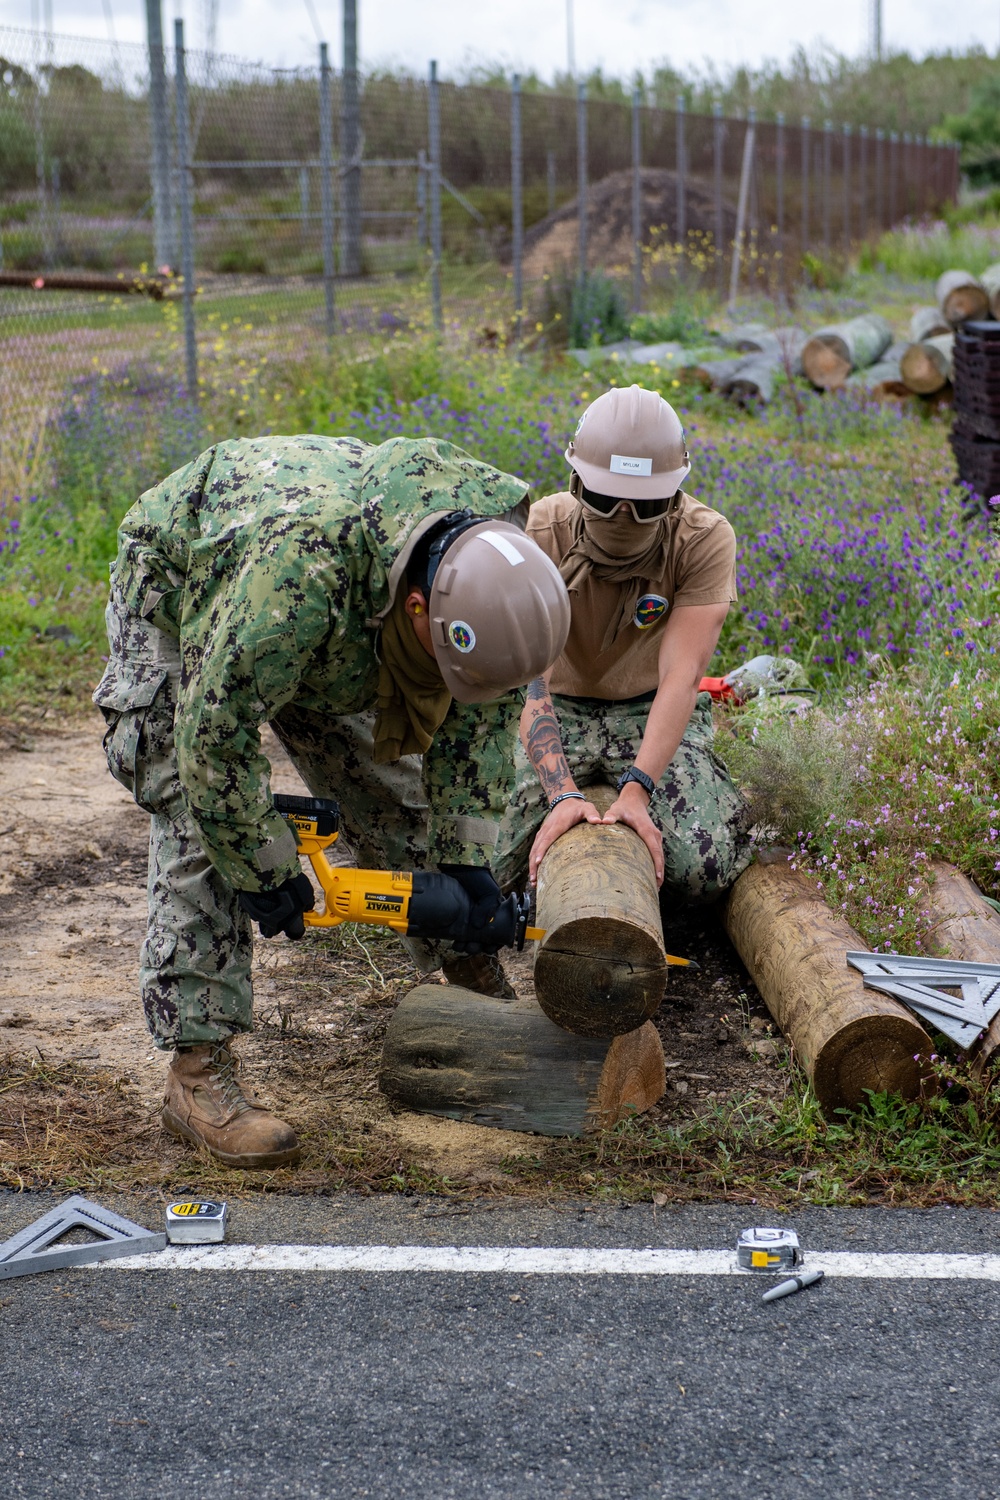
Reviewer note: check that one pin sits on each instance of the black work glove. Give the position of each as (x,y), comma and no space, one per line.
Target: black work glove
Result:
(281,910)
(464,905)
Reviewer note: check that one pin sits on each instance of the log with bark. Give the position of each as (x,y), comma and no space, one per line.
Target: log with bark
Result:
(990,279)
(926,367)
(752,383)
(449,1051)
(156,287)
(715,372)
(880,380)
(600,970)
(966,927)
(927,323)
(831,354)
(848,1039)
(961,297)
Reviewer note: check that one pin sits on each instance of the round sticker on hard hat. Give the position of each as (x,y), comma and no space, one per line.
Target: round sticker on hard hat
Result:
(462,636)
(649,609)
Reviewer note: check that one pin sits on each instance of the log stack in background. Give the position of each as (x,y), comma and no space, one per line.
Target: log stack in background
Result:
(975,436)
(830,356)
(961,297)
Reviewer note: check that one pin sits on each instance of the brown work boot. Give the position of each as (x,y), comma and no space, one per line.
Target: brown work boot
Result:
(205,1103)
(482,972)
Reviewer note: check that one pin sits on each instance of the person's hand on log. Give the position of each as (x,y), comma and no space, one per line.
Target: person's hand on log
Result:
(631,809)
(559,821)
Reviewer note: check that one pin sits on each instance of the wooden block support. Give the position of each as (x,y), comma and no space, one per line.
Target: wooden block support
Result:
(600,970)
(451,1052)
(848,1039)
(966,927)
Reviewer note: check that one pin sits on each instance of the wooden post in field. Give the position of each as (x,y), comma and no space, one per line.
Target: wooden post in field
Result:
(600,970)
(847,1039)
(449,1051)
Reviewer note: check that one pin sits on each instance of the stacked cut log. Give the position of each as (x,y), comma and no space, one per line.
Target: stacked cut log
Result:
(830,356)
(966,927)
(883,378)
(762,355)
(925,367)
(848,1039)
(927,323)
(961,297)
(975,436)
(990,279)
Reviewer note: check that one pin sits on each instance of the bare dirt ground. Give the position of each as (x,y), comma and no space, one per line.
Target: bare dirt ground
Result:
(83,1082)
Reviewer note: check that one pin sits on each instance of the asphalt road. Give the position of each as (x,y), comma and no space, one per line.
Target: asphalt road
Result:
(301,1384)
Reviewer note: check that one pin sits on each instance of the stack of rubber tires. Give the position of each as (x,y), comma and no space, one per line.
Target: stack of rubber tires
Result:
(975,435)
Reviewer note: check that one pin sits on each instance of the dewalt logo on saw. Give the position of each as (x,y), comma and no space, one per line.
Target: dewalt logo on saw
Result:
(382,903)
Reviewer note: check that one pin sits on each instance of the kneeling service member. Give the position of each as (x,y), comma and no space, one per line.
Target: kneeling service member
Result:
(375,605)
(651,576)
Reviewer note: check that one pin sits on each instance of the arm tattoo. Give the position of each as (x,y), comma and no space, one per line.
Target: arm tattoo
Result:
(537,688)
(545,751)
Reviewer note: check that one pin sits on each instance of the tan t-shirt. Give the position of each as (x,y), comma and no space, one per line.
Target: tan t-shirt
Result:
(700,569)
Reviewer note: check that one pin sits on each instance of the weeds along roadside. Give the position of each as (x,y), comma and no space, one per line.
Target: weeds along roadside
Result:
(854,558)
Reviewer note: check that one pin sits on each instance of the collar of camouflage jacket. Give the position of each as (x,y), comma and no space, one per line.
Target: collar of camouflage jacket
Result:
(406,486)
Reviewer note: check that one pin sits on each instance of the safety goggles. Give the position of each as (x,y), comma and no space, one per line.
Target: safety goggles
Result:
(643,511)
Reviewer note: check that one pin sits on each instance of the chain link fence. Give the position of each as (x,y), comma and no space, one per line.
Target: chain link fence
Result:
(193,211)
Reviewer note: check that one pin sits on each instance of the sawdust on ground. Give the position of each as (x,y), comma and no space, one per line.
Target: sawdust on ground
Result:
(83,1083)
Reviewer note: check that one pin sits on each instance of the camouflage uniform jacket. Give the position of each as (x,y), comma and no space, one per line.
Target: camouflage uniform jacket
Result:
(272,560)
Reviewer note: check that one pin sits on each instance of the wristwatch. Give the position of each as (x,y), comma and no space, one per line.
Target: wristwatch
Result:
(634,774)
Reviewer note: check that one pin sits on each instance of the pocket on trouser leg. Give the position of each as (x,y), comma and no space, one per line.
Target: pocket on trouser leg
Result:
(121,745)
(138,744)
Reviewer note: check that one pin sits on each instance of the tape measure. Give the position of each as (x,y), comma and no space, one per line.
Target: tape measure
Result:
(196,1221)
(768,1250)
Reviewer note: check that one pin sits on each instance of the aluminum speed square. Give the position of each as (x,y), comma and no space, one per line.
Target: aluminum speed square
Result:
(922,984)
(37,1247)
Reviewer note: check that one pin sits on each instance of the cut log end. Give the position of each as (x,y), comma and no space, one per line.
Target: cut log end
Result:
(965,304)
(923,372)
(827,363)
(600,976)
(879,1053)
(463,1056)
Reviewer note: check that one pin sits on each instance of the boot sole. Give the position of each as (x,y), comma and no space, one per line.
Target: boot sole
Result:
(287,1158)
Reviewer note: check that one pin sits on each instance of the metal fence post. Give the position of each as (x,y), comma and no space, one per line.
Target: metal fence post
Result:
(421,197)
(304,202)
(636,200)
(879,177)
(681,177)
(893,165)
(326,188)
(779,151)
(350,148)
(187,221)
(746,172)
(805,183)
(517,201)
(847,188)
(827,173)
(159,138)
(863,182)
(720,231)
(581,176)
(434,147)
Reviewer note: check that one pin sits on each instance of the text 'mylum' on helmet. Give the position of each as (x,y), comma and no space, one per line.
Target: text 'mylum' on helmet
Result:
(499,612)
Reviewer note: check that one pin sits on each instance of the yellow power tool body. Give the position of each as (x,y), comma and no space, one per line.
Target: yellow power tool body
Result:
(416,905)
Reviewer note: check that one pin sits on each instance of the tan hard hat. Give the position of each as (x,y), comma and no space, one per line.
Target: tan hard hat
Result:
(499,612)
(630,443)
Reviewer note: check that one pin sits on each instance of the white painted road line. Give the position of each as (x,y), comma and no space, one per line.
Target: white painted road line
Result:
(517,1260)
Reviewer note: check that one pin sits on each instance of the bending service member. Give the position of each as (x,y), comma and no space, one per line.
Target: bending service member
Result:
(374,605)
(651,576)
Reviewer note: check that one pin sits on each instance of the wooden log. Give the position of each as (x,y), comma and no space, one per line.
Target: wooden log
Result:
(966,927)
(600,970)
(927,323)
(961,297)
(715,372)
(69,281)
(831,354)
(451,1052)
(848,1039)
(752,384)
(926,367)
(881,380)
(990,279)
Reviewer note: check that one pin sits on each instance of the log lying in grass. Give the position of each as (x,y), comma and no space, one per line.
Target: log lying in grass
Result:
(881,380)
(927,323)
(451,1052)
(848,1039)
(966,927)
(752,383)
(961,297)
(715,372)
(926,367)
(831,354)
(600,970)
(156,287)
(990,279)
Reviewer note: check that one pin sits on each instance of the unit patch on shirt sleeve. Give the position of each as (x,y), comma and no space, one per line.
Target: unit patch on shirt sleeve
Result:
(649,609)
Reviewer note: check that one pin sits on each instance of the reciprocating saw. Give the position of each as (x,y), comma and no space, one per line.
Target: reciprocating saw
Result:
(423,904)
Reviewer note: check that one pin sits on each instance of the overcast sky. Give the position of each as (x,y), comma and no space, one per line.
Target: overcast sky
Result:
(618,35)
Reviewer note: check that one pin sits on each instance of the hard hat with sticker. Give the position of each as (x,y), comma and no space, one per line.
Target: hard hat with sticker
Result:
(463,637)
(649,609)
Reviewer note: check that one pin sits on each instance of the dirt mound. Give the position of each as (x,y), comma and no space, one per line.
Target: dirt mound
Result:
(552,244)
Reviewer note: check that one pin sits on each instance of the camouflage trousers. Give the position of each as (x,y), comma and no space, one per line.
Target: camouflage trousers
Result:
(195,961)
(696,806)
